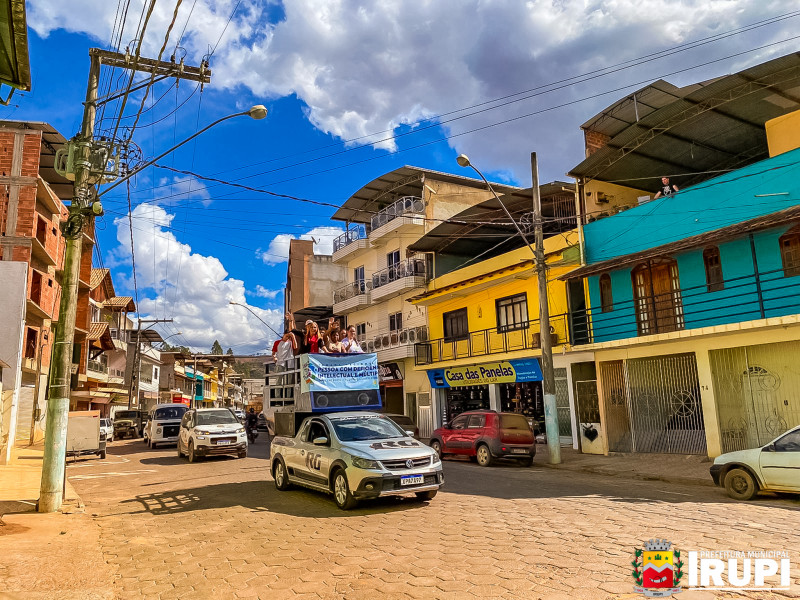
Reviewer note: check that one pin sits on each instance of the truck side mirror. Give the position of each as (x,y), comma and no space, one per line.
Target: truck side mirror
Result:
(320,441)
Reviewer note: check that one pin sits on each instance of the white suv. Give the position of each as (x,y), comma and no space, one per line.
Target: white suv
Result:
(206,431)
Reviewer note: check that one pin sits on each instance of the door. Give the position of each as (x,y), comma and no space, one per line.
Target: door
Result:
(453,439)
(780,463)
(656,291)
(475,429)
(313,463)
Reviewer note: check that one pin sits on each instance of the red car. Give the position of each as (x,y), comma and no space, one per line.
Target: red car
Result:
(487,435)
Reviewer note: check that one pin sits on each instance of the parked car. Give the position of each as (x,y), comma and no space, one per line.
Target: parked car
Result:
(128,423)
(239,415)
(107,427)
(487,435)
(773,468)
(164,424)
(405,423)
(206,431)
(354,456)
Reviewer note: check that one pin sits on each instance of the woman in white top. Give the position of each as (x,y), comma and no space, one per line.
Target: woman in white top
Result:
(350,343)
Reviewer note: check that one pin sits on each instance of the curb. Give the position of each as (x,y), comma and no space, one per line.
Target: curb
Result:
(633,475)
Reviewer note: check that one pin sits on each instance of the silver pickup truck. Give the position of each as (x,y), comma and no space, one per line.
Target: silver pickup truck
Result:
(355,455)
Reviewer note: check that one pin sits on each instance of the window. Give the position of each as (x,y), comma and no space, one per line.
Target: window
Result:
(789,443)
(512,313)
(713,263)
(790,252)
(455,325)
(606,297)
(392,258)
(358,274)
(476,422)
(396,321)
(361,330)
(459,422)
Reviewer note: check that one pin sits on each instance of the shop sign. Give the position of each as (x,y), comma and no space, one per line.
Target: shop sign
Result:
(389,372)
(506,371)
(322,373)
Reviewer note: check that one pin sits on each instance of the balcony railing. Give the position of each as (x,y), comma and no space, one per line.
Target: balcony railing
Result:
(412,267)
(746,298)
(405,205)
(385,340)
(355,233)
(351,290)
(97,366)
(485,342)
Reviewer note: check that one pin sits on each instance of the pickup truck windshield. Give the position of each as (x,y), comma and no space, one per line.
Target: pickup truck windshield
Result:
(216,417)
(359,429)
(127,414)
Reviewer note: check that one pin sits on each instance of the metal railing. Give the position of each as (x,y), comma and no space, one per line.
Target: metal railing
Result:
(412,267)
(351,290)
(745,298)
(403,206)
(97,366)
(383,340)
(485,342)
(355,233)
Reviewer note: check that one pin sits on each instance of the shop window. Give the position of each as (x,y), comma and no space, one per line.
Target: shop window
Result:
(476,422)
(789,244)
(512,313)
(713,263)
(606,296)
(455,325)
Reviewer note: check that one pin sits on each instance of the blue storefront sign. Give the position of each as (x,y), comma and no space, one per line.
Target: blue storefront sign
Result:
(505,371)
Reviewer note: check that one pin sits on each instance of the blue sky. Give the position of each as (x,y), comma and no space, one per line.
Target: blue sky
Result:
(332,72)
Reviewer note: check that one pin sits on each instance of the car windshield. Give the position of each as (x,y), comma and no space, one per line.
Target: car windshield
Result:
(170,412)
(215,417)
(514,422)
(359,429)
(126,414)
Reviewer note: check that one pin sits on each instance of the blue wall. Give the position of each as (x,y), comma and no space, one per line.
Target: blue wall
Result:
(738,301)
(711,205)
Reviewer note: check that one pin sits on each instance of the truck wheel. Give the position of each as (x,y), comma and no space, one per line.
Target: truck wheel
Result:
(281,476)
(190,453)
(484,456)
(740,485)
(341,491)
(180,452)
(103,454)
(152,444)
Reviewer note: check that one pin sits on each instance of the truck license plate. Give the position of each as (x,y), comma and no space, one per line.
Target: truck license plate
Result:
(519,450)
(411,479)
(223,442)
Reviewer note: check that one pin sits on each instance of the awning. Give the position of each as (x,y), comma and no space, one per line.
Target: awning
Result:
(120,303)
(100,337)
(15,68)
(505,371)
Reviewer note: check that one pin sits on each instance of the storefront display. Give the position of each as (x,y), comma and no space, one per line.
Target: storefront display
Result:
(461,399)
(525,398)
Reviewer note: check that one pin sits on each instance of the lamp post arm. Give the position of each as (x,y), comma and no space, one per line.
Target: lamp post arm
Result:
(165,153)
(247,308)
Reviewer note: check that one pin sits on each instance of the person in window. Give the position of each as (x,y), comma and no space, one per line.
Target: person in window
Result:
(667,188)
(350,343)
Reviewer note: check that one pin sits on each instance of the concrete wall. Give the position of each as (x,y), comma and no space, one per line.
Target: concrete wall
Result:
(12,325)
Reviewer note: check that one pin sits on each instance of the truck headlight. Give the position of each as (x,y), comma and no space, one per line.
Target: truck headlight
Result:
(240,430)
(363,463)
(202,432)
(435,460)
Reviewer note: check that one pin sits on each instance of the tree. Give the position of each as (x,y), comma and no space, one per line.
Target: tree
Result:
(216,348)
(229,352)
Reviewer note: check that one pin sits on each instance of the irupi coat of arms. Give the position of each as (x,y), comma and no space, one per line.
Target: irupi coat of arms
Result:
(657,569)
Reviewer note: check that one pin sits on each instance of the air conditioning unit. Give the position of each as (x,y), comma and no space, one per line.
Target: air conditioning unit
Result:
(404,336)
(377,343)
(422,334)
(385,341)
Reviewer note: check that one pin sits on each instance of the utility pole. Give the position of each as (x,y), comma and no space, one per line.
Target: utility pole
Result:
(133,386)
(86,159)
(548,376)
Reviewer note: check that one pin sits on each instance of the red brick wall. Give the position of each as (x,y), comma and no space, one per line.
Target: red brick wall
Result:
(594,140)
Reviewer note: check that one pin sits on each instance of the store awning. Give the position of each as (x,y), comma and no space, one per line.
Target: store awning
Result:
(504,371)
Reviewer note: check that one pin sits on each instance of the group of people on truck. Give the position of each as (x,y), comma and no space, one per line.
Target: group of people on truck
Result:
(331,341)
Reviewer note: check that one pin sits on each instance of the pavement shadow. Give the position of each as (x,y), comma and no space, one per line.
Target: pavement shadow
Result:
(261,496)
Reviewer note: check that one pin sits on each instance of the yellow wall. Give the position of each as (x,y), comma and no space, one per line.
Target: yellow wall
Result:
(617,198)
(783,133)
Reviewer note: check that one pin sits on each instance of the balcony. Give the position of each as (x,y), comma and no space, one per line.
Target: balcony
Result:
(399,278)
(486,342)
(351,244)
(406,215)
(42,245)
(696,310)
(397,344)
(351,297)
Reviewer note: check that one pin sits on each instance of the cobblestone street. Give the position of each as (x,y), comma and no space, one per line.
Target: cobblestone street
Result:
(218,528)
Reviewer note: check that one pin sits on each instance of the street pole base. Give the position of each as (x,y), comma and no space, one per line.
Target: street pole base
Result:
(50,502)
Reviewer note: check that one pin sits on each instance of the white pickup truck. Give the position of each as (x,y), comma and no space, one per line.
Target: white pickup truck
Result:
(355,455)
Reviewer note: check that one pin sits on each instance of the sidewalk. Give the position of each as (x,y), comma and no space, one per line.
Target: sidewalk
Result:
(672,468)
(20,481)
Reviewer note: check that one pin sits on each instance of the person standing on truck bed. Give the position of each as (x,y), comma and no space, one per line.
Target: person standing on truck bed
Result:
(283,352)
(350,343)
(309,340)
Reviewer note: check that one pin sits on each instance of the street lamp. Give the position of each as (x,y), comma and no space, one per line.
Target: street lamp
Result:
(255,315)
(257,112)
(171,335)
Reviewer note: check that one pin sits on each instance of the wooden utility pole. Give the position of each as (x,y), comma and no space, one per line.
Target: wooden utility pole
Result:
(548,376)
(82,210)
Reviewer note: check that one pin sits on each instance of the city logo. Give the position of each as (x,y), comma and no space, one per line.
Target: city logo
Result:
(657,569)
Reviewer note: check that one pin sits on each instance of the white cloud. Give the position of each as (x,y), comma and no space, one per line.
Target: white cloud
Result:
(263,292)
(192,289)
(278,250)
(363,67)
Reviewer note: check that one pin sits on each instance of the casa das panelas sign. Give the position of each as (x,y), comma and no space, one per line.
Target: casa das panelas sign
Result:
(338,372)
(506,371)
